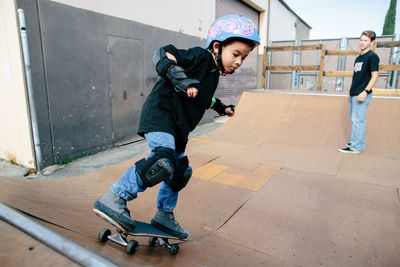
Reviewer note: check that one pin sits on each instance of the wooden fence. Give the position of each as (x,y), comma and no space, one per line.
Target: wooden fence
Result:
(324,52)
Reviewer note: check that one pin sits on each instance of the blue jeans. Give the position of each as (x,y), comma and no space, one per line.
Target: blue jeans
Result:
(130,183)
(358,115)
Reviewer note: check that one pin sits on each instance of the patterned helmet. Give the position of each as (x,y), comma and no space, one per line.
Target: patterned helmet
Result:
(231,26)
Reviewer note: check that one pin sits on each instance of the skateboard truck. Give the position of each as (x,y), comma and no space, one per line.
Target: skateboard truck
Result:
(119,238)
(163,242)
(132,246)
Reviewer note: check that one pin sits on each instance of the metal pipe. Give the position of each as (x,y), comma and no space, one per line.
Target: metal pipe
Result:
(396,52)
(341,65)
(295,61)
(67,247)
(31,98)
(269,60)
(268,22)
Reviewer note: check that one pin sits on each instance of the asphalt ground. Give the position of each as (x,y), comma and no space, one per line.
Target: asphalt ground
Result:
(96,161)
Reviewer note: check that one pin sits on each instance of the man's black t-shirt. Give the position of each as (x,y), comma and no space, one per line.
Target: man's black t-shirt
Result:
(166,110)
(363,66)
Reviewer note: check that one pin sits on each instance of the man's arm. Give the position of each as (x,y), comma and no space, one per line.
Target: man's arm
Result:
(363,95)
(374,78)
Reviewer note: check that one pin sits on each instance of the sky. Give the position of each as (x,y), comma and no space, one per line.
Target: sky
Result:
(343,18)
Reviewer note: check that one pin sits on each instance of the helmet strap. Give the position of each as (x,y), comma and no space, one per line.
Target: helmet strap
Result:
(218,58)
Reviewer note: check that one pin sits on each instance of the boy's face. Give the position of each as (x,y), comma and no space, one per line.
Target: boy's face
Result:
(365,43)
(234,54)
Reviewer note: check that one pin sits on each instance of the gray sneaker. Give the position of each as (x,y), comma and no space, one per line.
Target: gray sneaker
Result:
(112,208)
(165,221)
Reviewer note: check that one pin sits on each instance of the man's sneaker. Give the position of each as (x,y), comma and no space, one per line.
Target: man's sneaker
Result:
(112,208)
(165,221)
(348,144)
(348,150)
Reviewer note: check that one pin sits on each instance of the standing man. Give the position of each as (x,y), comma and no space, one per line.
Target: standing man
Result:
(365,75)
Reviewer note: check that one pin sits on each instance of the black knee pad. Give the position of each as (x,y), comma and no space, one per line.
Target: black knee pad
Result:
(181,176)
(158,167)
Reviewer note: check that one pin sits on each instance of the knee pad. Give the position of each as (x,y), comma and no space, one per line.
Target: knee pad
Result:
(181,175)
(158,167)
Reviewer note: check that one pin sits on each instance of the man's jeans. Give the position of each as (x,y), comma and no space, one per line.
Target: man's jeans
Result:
(358,114)
(130,183)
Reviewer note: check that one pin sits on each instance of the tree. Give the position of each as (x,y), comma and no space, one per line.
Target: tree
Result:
(390,19)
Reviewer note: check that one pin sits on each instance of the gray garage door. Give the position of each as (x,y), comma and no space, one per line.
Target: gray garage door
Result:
(125,56)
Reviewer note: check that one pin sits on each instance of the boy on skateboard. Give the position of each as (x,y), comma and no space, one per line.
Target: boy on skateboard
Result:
(173,109)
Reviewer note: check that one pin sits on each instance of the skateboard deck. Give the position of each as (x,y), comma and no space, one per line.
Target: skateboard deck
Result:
(156,236)
(146,229)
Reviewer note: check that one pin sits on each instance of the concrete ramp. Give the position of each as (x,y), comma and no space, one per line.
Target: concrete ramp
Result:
(269,188)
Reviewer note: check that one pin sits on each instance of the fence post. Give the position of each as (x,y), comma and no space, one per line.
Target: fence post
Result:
(321,66)
(264,71)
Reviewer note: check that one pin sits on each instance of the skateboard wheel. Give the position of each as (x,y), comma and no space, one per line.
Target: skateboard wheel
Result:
(103,235)
(132,247)
(174,249)
(152,241)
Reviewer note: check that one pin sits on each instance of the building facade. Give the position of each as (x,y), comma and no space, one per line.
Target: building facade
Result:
(91,67)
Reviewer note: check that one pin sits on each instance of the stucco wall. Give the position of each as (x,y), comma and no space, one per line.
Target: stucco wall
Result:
(191,17)
(302,31)
(282,23)
(15,135)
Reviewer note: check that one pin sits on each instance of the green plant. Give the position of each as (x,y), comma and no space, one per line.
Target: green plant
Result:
(64,162)
(390,19)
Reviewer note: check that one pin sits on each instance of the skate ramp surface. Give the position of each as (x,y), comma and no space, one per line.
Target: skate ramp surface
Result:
(269,188)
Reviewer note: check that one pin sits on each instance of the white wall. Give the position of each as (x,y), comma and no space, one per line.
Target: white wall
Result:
(262,7)
(15,133)
(282,23)
(191,17)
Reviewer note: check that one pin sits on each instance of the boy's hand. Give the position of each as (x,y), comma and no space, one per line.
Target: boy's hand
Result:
(229,111)
(192,92)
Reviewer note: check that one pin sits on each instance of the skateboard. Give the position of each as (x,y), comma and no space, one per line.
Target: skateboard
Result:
(156,236)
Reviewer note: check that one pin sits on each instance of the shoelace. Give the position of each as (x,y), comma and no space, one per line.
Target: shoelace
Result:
(172,217)
(122,205)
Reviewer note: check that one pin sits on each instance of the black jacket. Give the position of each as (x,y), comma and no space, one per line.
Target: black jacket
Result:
(166,110)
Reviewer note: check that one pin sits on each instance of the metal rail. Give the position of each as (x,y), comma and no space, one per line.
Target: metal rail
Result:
(67,247)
